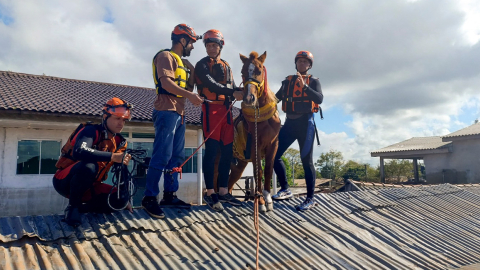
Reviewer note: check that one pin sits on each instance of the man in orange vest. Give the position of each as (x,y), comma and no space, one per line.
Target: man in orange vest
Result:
(215,84)
(301,95)
(86,159)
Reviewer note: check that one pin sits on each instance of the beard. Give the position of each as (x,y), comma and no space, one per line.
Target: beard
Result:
(186,52)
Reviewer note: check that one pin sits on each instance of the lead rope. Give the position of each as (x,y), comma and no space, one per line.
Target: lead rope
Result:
(256,200)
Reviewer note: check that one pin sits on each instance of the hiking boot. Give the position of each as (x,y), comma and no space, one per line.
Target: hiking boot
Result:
(228,198)
(309,203)
(151,206)
(213,202)
(283,194)
(73,216)
(170,200)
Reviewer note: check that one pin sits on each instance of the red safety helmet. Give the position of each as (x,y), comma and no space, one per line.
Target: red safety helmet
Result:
(118,107)
(304,54)
(215,36)
(184,29)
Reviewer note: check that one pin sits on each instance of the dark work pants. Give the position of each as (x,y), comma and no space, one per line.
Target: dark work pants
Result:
(211,148)
(79,180)
(301,129)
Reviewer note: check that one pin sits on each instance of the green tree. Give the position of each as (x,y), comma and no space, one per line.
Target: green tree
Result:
(398,168)
(293,157)
(352,170)
(373,174)
(331,163)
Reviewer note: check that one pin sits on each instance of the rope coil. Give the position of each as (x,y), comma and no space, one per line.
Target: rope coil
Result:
(123,178)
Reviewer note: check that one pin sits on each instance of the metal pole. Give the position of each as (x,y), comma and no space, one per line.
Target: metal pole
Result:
(274,183)
(199,167)
(415,170)
(293,172)
(382,171)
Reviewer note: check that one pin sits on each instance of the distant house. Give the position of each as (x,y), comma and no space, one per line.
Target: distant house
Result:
(38,113)
(453,158)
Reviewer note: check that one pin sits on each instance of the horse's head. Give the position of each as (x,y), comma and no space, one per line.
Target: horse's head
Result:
(253,75)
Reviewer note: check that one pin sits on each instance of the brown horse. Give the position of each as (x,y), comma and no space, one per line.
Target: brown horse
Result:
(260,120)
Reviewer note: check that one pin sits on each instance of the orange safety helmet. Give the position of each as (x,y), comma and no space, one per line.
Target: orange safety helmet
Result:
(184,29)
(215,36)
(118,107)
(304,54)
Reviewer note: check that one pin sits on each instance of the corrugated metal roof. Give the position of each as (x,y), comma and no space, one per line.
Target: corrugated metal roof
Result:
(432,227)
(47,94)
(415,143)
(468,131)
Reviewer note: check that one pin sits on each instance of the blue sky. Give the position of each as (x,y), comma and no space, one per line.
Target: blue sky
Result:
(5,15)
(334,120)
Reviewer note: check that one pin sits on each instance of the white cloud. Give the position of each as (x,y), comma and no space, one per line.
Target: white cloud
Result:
(398,68)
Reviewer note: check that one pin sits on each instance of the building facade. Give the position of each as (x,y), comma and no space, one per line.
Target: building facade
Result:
(38,114)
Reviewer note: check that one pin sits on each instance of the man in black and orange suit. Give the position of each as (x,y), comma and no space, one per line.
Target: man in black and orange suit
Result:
(87,157)
(216,85)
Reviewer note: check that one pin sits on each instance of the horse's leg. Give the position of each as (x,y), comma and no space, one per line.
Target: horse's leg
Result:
(258,173)
(235,173)
(269,159)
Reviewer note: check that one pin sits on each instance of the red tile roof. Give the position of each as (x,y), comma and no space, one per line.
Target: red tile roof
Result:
(27,92)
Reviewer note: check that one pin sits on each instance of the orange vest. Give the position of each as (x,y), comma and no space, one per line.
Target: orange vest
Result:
(215,68)
(295,99)
(102,142)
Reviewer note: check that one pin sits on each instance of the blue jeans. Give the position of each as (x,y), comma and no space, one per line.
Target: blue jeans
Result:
(168,151)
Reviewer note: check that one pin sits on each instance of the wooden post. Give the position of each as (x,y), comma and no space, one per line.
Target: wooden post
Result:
(382,170)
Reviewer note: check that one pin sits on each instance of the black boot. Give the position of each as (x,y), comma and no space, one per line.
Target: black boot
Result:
(150,205)
(73,216)
(170,200)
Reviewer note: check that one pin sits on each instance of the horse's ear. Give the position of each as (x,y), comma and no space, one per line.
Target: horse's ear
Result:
(243,58)
(262,57)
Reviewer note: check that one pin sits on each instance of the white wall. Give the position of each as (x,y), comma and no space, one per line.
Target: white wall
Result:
(35,195)
(27,194)
(3,130)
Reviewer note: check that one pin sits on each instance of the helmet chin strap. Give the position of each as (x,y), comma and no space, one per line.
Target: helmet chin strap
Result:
(105,126)
(184,53)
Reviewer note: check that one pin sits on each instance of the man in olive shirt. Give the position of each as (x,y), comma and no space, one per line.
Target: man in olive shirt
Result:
(173,85)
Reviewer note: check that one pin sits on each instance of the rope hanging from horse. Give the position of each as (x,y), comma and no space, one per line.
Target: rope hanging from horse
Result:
(257,195)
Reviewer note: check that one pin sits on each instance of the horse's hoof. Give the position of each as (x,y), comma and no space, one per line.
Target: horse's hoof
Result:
(270,206)
(262,208)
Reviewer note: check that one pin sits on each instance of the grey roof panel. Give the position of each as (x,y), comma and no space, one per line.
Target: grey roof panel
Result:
(415,143)
(428,227)
(35,93)
(467,131)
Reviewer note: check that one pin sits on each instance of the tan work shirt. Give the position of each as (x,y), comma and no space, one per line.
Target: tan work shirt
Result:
(166,65)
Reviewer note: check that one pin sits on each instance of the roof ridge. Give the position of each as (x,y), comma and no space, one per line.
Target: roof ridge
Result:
(69,79)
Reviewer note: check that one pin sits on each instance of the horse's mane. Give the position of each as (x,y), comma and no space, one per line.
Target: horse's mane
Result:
(270,97)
